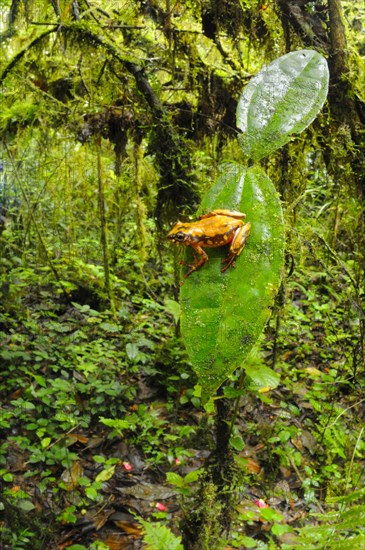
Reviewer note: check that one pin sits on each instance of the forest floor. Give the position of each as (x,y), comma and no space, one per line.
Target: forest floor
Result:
(103,444)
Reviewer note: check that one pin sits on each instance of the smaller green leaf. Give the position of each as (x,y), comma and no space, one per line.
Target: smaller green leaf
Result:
(8,477)
(91,493)
(173,308)
(237,443)
(248,542)
(132,351)
(83,481)
(40,380)
(174,479)
(68,515)
(118,424)
(100,459)
(209,406)
(268,514)
(110,327)
(232,393)
(281,101)
(106,474)
(25,505)
(45,442)
(262,377)
(23,404)
(279,529)
(192,476)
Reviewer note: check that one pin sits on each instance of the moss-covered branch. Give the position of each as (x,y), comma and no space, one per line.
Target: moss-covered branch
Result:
(176,189)
(19,56)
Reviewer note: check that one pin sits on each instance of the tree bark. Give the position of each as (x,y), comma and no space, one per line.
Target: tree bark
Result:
(349,110)
(340,88)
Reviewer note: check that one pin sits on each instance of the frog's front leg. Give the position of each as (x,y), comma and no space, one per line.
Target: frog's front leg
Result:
(237,245)
(200,258)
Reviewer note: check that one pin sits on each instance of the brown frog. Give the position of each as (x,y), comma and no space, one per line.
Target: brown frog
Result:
(217,228)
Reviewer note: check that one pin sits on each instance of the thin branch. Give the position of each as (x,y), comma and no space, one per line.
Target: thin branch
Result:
(56,7)
(128,27)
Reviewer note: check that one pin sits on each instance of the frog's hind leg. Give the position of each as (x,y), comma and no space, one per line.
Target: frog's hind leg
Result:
(237,245)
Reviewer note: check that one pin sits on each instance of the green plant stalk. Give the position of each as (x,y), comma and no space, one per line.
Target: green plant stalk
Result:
(141,207)
(240,385)
(103,224)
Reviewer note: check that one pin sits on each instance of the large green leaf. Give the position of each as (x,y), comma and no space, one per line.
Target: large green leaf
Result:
(223,314)
(281,100)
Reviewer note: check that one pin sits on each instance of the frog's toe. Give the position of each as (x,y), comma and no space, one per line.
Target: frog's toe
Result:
(230,261)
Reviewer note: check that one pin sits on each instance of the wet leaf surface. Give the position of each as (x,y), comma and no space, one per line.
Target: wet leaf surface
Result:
(281,101)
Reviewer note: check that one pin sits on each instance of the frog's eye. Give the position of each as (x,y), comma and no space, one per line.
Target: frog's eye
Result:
(180,237)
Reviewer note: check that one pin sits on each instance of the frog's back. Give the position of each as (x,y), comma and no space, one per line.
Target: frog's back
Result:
(214,231)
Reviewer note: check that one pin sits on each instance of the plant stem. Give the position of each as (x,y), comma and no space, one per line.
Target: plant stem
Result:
(103,224)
